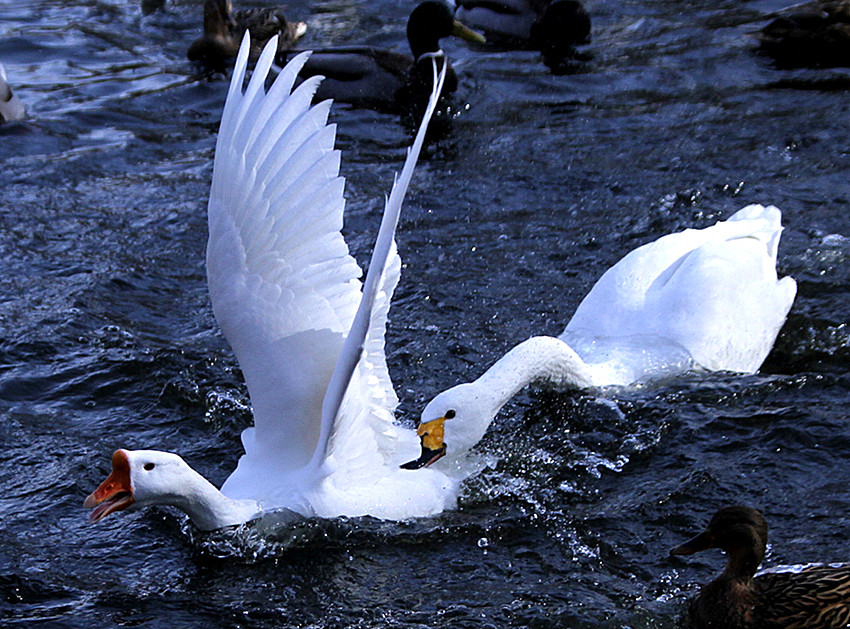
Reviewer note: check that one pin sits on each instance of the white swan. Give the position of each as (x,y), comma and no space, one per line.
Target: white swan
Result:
(310,343)
(699,299)
(11,107)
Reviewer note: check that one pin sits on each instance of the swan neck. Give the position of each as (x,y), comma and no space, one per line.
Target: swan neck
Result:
(540,359)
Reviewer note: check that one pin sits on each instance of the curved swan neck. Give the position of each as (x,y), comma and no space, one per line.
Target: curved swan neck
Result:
(206,506)
(539,359)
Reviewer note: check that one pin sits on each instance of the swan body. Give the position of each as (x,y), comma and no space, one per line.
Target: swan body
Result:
(698,299)
(11,107)
(308,337)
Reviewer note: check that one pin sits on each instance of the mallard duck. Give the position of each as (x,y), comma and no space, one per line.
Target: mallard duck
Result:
(809,597)
(224,29)
(11,107)
(385,80)
(816,34)
(553,27)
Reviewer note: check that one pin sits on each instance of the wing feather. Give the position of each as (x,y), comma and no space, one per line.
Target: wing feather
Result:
(283,286)
(353,378)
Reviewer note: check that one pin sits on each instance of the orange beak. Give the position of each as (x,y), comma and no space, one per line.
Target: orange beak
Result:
(115,493)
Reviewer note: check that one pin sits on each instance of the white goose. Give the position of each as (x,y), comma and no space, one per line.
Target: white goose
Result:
(699,299)
(310,342)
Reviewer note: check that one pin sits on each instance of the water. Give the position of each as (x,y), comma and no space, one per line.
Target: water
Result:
(107,338)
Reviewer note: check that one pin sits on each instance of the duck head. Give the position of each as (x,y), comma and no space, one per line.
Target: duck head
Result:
(432,20)
(739,531)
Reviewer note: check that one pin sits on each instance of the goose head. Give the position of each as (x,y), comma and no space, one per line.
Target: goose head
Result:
(143,478)
(139,478)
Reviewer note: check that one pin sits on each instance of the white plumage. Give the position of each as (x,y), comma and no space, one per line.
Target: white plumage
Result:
(308,337)
(11,107)
(698,299)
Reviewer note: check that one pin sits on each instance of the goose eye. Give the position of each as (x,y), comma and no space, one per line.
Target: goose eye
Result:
(149,466)
(450,414)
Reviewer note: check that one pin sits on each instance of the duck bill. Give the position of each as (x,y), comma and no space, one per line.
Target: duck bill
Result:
(113,494)
(467,34)
(703,541)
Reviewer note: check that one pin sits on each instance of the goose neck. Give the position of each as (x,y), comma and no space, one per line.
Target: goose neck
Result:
(208,508)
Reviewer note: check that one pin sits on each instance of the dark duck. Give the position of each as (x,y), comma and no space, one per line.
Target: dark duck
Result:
(389,81)
(554,27)
(815,596)
(224,29)
(815,34)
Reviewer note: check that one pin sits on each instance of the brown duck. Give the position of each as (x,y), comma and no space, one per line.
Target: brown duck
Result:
(815,34)
(811,597)
(224,29)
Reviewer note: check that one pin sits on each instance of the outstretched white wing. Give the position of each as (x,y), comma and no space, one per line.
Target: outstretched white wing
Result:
(367,329)
(283,286)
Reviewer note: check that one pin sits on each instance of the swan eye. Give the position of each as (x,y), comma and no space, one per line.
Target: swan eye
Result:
(450,414)
(149,466)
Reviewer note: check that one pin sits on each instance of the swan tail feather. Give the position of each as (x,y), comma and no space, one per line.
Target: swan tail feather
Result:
(770,219)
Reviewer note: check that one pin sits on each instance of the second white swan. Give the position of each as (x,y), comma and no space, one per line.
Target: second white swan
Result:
(698,299)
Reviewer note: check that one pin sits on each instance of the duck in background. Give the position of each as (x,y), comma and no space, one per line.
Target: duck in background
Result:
(224,29)
(11,107)
(554,27)
(816,34)
(384,80)
(814,596)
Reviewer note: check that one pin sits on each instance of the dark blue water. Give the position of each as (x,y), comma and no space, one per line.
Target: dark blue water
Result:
(107,338)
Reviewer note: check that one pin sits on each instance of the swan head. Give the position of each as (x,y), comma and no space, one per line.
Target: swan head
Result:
(140,478)
(459,416)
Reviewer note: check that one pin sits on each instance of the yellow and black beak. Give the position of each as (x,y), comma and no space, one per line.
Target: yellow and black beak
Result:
(431,437)
(425,459)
